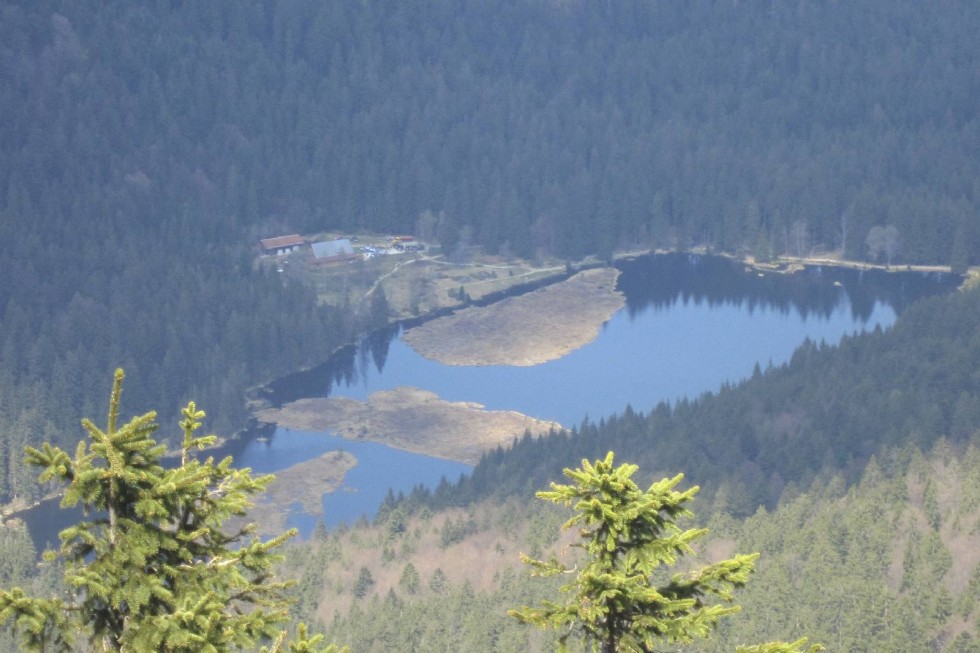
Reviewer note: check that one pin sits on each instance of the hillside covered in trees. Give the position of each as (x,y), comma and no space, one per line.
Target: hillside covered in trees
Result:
(853,469)
(146,147)
(873,548)
(571,128)
(886,564)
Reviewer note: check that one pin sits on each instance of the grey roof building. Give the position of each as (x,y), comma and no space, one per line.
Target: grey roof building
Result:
(333,251)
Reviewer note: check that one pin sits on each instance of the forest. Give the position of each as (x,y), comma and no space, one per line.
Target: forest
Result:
(145,148)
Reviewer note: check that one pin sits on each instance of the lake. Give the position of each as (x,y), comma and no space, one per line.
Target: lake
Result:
(691,323)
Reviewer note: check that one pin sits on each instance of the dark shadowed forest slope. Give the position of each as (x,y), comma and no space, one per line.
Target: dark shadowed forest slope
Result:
(144,147)
(571,127)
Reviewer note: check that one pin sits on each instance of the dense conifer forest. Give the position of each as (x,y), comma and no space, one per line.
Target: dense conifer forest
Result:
(145,148)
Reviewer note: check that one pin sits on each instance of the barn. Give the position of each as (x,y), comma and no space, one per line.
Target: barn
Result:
(281,245)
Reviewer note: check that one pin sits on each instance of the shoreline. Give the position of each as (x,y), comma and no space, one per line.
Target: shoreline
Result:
(793,264)
(780,265)
(784,264)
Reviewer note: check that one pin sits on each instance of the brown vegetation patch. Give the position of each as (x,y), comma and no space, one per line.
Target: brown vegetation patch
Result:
(410,419)
(720,548)
(304,483)
(525,330)
(481,558)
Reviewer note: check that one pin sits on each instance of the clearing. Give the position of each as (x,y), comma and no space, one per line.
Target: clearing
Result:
(415,283)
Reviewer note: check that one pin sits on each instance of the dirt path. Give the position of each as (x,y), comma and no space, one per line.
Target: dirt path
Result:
(517,273)
(393,271)
(796,263)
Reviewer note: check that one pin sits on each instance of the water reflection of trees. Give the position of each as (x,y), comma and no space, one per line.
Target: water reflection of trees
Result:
(660,281)
(663,280)
(378,343)
(348,366)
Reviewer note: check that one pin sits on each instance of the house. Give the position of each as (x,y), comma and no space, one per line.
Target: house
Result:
(333,251)
(281,245)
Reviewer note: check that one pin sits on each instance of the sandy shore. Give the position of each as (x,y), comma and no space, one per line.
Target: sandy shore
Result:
(524,330)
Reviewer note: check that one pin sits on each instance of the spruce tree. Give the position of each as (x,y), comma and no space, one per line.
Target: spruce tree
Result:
(154,565)
(622,598)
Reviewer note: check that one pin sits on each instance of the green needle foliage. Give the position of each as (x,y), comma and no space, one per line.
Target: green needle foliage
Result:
(630,537)
(153,566)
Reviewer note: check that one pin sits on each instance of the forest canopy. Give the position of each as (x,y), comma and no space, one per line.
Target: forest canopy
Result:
(144,149)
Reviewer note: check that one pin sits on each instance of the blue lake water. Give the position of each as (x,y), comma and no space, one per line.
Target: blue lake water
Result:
(663,354)
(379,469)
(691,323)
